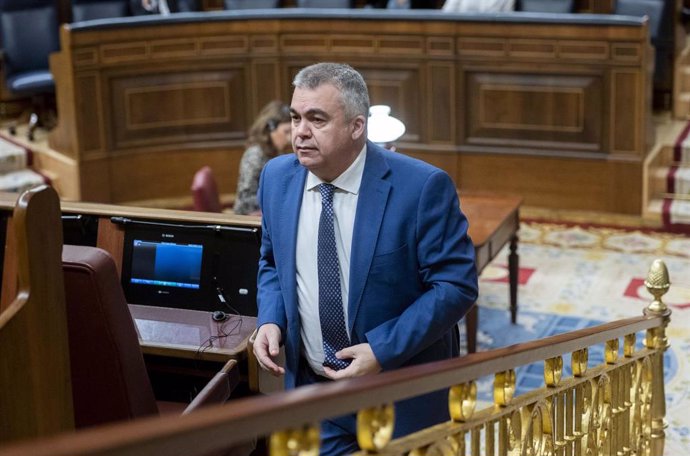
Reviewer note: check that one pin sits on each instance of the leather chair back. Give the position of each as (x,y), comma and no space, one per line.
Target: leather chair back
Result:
(205,191)
(546,6)
(184,6)
(324,3)
(86,10)
(655,10)
(109,378)
(25,48)
(250,4)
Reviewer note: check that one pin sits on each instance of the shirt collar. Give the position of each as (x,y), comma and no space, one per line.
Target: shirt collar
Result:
(349,181)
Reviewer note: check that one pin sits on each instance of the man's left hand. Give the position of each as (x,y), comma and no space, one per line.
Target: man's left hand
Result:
(363,362)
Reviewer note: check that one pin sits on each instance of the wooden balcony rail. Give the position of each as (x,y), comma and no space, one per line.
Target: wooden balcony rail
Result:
(616,407)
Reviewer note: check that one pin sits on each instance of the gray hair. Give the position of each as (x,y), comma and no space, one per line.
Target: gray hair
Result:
(353,89)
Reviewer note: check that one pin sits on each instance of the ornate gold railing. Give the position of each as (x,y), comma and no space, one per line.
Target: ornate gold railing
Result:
(616,408)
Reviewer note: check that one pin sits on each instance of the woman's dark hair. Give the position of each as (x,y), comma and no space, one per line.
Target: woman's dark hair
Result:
(272,115)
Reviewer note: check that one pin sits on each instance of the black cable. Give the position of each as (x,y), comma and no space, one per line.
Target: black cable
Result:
(215,228)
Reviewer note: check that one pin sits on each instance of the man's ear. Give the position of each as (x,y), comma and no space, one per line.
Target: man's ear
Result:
(358,127)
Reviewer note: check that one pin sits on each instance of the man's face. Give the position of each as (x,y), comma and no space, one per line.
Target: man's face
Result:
(324,140)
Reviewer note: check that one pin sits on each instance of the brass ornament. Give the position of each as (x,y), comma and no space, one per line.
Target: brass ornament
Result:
(611,351)
(462,400)
(599,439)
(657,284)
(578,362)
(585,396)
(553,371)
(457,443)
(295,442)
(504,387)
(375,427)
(440,448)
(537,436)
(641,413)
(513,428)
(629,345)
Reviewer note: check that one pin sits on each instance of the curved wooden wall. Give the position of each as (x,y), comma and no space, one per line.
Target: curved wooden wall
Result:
(553,107)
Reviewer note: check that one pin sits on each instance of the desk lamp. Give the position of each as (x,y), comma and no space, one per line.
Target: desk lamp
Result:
(382,128)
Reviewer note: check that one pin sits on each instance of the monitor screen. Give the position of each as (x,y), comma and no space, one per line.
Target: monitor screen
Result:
(190,266)
(166,264)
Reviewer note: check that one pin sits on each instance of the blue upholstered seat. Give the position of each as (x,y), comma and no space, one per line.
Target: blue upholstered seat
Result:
(31,81)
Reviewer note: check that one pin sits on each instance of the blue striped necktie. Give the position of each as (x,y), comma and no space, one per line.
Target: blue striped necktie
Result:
(331,314)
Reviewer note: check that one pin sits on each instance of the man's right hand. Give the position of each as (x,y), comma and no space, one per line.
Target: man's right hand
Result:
(267,347)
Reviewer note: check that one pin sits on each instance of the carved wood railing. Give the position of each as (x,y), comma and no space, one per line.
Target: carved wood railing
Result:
(616,407)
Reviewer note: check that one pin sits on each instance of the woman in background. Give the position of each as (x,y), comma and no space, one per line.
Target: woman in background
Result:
(268,137)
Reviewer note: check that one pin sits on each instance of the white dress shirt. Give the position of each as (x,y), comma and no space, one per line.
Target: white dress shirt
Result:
(157,6)
(344,208)
(478,6)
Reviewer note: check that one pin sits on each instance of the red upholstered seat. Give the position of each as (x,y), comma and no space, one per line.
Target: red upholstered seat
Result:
(109,377)
(205,191)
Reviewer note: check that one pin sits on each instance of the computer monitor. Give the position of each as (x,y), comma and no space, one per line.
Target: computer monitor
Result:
(188,266)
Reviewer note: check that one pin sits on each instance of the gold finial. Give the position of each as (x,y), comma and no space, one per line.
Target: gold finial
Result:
(657,284)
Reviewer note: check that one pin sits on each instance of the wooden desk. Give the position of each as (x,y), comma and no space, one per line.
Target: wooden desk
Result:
(191,334)
(494,221)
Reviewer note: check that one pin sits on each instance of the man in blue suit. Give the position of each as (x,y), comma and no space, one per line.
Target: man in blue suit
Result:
(365,260)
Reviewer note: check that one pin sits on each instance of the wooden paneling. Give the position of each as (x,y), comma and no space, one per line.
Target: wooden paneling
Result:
(401,89)
(176,106)
(624,113)
(441,90)
(579,184)
(147,104)
(90,100)
(266,74)
(131,173)
(535,111)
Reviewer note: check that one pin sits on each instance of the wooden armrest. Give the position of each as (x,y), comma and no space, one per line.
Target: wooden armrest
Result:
(261,381)
(218,390)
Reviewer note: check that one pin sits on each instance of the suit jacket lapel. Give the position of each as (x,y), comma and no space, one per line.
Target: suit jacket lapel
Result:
(287,229)
(371,205)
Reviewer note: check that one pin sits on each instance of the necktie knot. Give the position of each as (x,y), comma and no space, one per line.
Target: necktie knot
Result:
(327,191)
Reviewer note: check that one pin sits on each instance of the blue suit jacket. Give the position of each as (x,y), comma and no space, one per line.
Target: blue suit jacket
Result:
(412,272)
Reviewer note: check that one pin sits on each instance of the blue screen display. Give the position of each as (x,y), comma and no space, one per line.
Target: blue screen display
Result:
(166,264)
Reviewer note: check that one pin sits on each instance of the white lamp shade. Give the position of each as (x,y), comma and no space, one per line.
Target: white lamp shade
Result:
(382,128)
